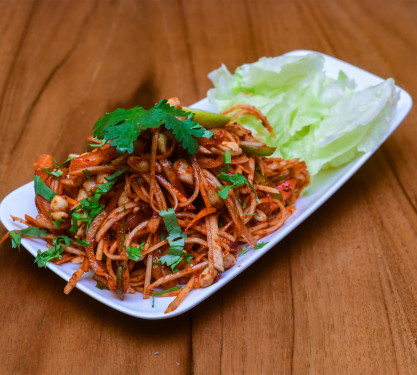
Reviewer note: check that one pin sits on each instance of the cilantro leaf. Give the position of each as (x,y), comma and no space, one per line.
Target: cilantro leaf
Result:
(29,232)
(101,286)
(57,223)
(260,245)
(224,193)
(123,126)
(184,130)
(110,181)
(155,294)
(112,119)
(76,216)
(244,251)
(135,253)
(42,189)
(82,243)
(123,135)
(188,258)
(236,180)
(59,165)
(90,206)
(86,174)
(55,251)
(56,173)
(175,238)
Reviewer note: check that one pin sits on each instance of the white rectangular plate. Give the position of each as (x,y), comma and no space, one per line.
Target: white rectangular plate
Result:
(21,202)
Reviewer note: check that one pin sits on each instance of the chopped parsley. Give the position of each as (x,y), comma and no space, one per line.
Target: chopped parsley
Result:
(135,253)
(43,190)
(236,180)
(175,238)
(122,127)
(155,294)
(29,232)
(55,251)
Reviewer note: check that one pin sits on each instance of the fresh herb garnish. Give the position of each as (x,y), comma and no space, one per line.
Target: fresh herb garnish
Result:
(57,173)
(55,251)
(59,165)
(227,158)
(110,181)
(90,206)
(119,281)
(135,253)
(175,238)
(96,145)
(244,251)
(86,174)
(81,242)
(42,189)
(122,127)
(236,180)
(260,245)
(254,214)
(101,286)
(188,258)
(57,223)
(155,294)
(29,232)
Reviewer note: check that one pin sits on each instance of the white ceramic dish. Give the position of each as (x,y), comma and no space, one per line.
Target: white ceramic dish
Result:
(21,202)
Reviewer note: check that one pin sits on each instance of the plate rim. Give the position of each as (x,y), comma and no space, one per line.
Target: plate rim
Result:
(281,233)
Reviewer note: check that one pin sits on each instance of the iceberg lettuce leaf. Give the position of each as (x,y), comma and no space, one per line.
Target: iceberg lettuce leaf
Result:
(321,120)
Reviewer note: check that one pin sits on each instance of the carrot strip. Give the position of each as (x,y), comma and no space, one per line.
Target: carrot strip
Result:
(206,211)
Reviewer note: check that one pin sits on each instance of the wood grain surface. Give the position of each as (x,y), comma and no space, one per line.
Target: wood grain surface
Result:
(337,296)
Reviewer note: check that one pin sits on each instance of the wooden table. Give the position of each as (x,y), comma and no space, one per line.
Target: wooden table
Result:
(338,295)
